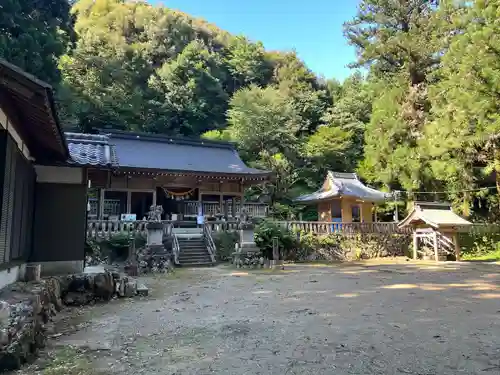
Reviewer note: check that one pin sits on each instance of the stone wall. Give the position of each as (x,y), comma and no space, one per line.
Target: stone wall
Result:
(25,309)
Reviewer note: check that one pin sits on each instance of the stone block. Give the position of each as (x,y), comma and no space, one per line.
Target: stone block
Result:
(130,288)
(5,309)
(142,290)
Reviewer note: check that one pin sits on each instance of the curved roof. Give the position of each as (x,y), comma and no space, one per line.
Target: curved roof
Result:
(339,184)
(158,153)
(433,214)
(146,151)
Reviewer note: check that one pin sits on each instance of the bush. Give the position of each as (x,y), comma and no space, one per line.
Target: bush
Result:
(115,248)
(339,247)
(475,244)
(225,243)
(266,231)
(306,246)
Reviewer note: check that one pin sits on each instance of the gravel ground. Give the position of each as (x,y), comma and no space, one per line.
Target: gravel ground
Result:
(370,318)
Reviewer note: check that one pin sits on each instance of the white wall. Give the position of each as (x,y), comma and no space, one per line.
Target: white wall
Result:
(11,275)
(5,123)
(60,175)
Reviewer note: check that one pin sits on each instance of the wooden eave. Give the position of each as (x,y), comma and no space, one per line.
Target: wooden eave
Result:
(29,104)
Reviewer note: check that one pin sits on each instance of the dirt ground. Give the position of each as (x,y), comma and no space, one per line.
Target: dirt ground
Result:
(366,318)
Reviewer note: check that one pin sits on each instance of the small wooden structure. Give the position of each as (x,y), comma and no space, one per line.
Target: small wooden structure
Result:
(435,225)
(344,198)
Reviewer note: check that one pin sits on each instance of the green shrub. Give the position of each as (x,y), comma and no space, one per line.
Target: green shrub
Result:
(266,231)
(340,247)
(476,244)
(225,243)
(117,246)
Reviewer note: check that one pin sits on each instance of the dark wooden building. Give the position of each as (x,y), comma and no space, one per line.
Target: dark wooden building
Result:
(133,171)
(42,198)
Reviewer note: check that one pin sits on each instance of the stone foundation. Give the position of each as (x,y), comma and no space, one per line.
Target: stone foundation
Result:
(61,268)
(25,308)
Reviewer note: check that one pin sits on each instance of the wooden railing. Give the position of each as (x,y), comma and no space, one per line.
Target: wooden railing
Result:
(324,227)
(213,208)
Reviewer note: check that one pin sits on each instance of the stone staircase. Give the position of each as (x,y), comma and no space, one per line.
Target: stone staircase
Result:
(193,252)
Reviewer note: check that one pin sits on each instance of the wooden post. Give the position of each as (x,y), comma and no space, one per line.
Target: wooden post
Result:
(436,255)
(154,197)
(129,202)
(415,245)
(221,204)
(233,207)
(101,204)
(226,209)
(242,203)
(457,247)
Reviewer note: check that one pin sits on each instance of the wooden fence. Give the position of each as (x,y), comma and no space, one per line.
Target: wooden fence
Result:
(326,227)
(106,228)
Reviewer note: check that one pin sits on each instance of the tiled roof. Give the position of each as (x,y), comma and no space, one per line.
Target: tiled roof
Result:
(146,151)
(91,150)
(344,184)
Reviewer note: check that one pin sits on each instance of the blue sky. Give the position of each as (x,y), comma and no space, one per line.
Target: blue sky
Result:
(313,28)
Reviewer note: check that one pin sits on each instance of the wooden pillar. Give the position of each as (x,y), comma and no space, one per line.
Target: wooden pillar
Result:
(233,207)
(101,204)
(346,210)
(226,208)
(436,255)
(366,212)
(457,246)
(200,204)
(221,204)
(154,197)
(242,203)
(415,245)
(129,202)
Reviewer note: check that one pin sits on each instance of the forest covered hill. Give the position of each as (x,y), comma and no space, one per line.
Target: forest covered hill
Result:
(424,118)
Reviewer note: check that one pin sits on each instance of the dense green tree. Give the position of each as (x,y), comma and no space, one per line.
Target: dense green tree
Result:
(190,97)
(463,135)
(308,96)
(247,63)
(33,34)
(263,120)
(396,39)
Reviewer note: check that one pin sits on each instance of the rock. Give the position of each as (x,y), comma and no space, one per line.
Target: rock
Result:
(104,286)
(4,337)
(4,313)
(53,286)
(142,290)
(78,298)
(121,285)
(130,288)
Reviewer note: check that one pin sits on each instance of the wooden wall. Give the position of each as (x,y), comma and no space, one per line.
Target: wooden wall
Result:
(346,204)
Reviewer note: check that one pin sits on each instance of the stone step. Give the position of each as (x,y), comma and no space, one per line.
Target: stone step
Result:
(194,250)
(201,264)
(189,248)
(194,254)
(195,260)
